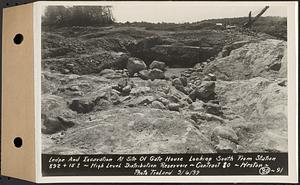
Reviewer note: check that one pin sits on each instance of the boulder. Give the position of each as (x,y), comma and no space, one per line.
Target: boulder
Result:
(55,114)
(126,89)
(194,94)
(224,132)
(82,105)
(213,109)
(210,77)
(174,106)
(157,105)
(135,65)
(225,146)
(163,100)
(187,99)
(53,125)
(106,71)
(136,91)
(115,98)
(197,106)
(184,81)
(144,74)
(205,92)
(156,74)
(177,83)
(157,65)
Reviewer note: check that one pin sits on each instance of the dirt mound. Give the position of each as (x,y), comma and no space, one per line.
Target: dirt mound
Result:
(87,64)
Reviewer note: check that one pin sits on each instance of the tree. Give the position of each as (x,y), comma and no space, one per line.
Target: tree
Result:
(60,16)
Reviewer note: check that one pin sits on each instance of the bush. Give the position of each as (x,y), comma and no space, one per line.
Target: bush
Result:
(60,16)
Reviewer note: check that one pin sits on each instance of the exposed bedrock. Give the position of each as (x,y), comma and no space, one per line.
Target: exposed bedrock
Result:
(266,58)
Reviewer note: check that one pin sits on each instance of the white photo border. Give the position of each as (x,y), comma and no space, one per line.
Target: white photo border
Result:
(292,41)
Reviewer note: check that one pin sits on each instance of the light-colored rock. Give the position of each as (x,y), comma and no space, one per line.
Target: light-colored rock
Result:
(174,106)
(265,58)
(262,103)
(140,90)
(224,132)
(106,71)
(197,106)
(122,130)
(157,105)
(225,146)
(157,65)
(163,100)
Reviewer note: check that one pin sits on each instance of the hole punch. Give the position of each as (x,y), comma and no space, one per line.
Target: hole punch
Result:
(18,39)
(18,142)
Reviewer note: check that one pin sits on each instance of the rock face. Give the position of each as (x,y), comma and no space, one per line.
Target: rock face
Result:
(262,58)
(160,131)
(135,65)
(262,105)
(228,48)
(55,115)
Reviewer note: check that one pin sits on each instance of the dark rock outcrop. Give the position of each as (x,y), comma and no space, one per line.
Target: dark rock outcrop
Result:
(176,56)
(82,105)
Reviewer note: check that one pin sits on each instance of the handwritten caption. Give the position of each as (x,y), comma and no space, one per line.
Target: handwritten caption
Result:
(166,165)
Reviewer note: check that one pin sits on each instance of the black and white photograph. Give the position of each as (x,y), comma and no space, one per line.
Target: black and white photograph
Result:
(164,78)
(149,85)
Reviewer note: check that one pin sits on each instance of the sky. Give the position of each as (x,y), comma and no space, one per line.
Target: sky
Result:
(180,12)
(187,12)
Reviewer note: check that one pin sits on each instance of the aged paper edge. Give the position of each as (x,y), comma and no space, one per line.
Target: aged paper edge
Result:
(18,94)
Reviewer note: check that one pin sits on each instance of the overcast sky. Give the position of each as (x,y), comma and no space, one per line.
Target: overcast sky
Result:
(180,12)
(189,12)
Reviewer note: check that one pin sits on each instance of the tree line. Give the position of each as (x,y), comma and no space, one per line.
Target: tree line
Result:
(60,16)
